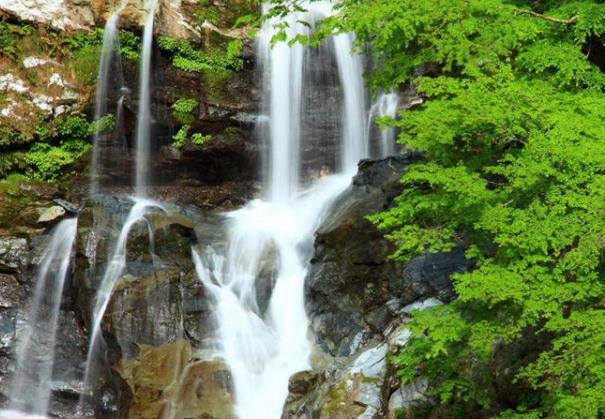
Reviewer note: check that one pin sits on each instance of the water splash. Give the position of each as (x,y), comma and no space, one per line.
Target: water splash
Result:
(31,386)
(143,131)
(270,241)
(263,349)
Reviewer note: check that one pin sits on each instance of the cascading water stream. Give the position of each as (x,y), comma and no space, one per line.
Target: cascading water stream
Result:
(141,206)
(31,385)
(143,130)
(385,105)
(271,240)
(110,36)
(112,274)
(355,142)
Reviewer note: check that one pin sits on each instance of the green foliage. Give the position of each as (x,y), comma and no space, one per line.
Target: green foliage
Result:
(200,139)
(63,139)
(74,127)
(85,63)
(48,163)
(9,137)
(182,136)
(103,125)
(205,11)
(129,46)
(182,110)
(179,139)
(187,57)
(82,39)
(9,38)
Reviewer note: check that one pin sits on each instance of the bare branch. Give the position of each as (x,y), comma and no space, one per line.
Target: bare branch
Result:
(552,19)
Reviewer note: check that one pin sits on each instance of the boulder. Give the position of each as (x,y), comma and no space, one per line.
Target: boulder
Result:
(158,310)
(59,14)
(351,388)
(360,385)
(353,290)
(171,380)
(52,215)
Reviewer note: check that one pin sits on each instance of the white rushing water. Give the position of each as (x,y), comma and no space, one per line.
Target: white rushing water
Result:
(385,105)
(31,386)
(110,36)
(143,130)
(111,276)
(270,240)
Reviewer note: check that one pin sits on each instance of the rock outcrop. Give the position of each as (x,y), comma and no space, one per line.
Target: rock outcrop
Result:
(174,16)
(158,326)
(353,291)
(359,302)
(59,14)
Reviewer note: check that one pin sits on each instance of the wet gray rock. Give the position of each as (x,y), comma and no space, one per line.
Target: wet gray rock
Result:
(352,290)
(360,385)
(353,387)
(408,395)
(13,254)
(158,301)
(9,291)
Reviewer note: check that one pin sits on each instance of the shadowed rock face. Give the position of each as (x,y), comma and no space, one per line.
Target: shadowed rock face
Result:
(19,257)
(353,291)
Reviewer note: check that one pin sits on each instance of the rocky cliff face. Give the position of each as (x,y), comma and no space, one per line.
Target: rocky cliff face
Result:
(359,303)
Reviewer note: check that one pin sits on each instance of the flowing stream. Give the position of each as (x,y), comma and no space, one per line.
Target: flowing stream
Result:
(110,37)
(385,105)
(270,240)
(112,274)
(31,386)
(141,207)
(143,131)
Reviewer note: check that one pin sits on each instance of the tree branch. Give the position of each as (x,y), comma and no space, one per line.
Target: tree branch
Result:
(552,19)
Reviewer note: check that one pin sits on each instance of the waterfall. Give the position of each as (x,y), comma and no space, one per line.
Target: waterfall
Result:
(117,261)
(385,105)
(31,385)
(355,142)
(264,339)
(143,130)
(110,36)
(111,276)
(284,86)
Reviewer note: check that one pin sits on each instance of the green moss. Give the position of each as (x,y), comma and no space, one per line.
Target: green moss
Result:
(182,110)
(129,46)
(180,137)
(187,57)
(48,163)
(85,64)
